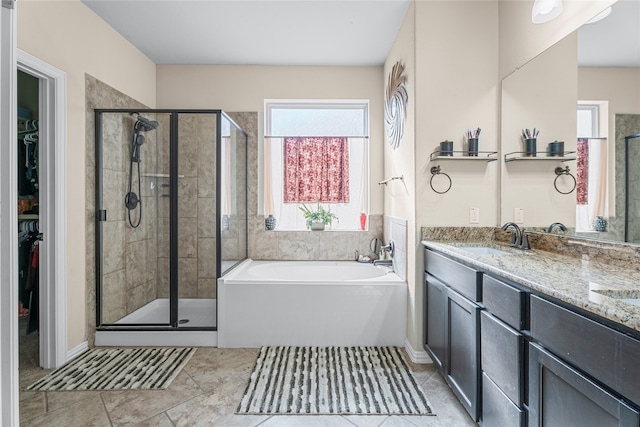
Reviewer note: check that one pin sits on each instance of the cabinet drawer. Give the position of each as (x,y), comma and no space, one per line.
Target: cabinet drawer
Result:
(606,354)
(497,409)
(503,356)
(560,395)
(504,301)
(461,278)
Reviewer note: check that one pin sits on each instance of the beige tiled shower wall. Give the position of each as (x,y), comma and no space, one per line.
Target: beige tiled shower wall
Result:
(295,245)
(129,255)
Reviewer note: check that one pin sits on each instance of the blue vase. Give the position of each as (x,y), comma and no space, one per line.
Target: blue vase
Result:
(270,223)
(599,224)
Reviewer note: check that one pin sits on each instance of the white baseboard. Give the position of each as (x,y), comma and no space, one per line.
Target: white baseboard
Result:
(417,356)
(77,350)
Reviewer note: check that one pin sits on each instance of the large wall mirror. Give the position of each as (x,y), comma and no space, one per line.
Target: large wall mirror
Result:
(597,66)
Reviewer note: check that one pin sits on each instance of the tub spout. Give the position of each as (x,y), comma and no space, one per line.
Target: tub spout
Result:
(388,262)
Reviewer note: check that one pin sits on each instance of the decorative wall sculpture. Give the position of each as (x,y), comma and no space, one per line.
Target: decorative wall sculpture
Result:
(395,106)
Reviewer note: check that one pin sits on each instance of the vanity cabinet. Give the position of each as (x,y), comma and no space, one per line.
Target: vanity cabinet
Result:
(503,353)
(579,370)
(517,357)
(452,317)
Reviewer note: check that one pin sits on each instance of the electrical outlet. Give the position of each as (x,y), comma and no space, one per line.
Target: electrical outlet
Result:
(474,215)
(518,215)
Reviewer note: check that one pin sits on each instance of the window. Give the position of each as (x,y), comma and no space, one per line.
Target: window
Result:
(592,160)
(316,151)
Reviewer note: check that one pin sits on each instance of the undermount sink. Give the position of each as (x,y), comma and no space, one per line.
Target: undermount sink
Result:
(484,250)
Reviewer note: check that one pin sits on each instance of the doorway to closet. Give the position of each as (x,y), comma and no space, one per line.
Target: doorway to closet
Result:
(29,235)
(39,187)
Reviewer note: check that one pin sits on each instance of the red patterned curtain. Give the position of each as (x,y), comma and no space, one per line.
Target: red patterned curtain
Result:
(582,187)
(316,169)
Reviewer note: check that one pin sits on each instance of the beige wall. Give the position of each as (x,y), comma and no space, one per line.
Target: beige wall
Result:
(542,94)
(619,86)
(399,198)
(453,86)
(67,35)
(244,88)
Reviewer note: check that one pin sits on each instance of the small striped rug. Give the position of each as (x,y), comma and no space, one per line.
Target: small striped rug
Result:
(333,380)
(118,369)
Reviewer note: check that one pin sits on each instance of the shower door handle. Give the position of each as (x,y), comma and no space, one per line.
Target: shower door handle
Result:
(102,215)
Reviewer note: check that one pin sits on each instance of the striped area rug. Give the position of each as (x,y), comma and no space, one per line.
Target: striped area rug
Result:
(333,380)
(118,369)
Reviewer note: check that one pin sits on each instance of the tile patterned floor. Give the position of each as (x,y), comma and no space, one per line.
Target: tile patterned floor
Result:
(206,393)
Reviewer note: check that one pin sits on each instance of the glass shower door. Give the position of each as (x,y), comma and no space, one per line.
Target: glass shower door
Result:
(233,194)
(132,193)
(196,243)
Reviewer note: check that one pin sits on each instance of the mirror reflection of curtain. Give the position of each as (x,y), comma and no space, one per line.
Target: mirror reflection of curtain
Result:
(591,189)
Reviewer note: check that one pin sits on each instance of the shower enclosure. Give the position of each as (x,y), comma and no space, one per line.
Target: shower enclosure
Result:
(171,217)
(632,192)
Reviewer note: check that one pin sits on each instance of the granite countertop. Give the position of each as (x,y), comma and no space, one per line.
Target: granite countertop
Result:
(593,286)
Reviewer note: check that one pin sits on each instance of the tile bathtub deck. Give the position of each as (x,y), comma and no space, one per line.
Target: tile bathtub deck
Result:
(206,393)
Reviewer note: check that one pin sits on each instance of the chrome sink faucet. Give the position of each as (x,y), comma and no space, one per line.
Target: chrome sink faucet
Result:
(519,239)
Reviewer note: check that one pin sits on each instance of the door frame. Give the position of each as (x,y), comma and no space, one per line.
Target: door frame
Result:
(9,399)
(52,201)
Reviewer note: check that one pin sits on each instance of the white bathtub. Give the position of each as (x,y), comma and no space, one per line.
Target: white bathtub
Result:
(304,303)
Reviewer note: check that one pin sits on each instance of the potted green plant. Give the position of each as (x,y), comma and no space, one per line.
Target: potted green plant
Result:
(318,218)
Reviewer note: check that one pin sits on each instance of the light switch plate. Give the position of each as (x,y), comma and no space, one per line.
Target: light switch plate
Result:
(474,215)
(518,215)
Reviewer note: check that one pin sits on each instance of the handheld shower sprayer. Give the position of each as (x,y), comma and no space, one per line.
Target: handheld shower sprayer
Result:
(131,199)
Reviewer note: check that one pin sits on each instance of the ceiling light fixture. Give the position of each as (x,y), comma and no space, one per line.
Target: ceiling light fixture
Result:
(545,10)
(600,16)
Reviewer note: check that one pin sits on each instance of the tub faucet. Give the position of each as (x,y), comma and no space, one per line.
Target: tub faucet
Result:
(388,262)
(557,224)
(519,239)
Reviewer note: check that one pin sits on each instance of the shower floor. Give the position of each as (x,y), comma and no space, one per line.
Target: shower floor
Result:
(196,312)
(191,312)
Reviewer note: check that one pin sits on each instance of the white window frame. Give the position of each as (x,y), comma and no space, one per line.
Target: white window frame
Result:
(271,104)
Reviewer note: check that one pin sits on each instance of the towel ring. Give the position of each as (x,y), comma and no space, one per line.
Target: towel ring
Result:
(564,171)
(435,170)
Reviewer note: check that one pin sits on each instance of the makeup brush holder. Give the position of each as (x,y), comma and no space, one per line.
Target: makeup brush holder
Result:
(530,147)
(472,147)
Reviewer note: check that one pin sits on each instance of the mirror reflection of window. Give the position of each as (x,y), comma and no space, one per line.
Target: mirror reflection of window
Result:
(316,151)
(592,160)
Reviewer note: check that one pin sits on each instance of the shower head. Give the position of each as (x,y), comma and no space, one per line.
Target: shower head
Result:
(143,124)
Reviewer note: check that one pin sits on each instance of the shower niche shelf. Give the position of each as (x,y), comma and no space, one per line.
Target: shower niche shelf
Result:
(541,156)
(483,156)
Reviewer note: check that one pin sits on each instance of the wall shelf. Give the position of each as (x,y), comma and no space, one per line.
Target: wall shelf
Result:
(483,156)
(540,156)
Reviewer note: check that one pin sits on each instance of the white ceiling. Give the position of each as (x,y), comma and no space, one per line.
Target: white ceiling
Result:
(614,41)
(263,32)
(312,32)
